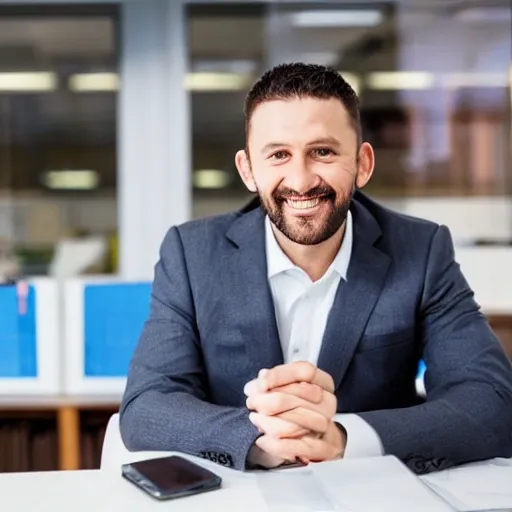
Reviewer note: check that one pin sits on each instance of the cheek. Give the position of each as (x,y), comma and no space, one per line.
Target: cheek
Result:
(267,181)
(340,177)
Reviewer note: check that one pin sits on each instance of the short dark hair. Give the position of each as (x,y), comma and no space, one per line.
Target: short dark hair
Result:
(299,80)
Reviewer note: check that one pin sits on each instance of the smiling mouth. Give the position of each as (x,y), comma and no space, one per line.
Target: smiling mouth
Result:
(304,204)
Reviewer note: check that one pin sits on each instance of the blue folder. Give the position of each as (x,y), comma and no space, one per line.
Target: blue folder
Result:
(114,315)
(18,337)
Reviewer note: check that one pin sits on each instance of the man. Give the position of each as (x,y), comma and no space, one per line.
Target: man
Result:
(292,330)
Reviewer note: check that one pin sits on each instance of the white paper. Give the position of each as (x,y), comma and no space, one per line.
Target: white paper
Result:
(382,484)
(295,490)
(473,487)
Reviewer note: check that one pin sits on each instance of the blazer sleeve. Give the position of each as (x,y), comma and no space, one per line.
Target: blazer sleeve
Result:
(165,405)
(467,415)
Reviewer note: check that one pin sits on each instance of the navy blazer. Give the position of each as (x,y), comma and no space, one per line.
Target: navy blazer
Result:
(212,327)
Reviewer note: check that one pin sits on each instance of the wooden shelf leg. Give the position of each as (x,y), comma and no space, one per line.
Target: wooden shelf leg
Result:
(68,428)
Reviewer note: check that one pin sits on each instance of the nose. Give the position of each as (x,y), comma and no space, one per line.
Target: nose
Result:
(300,177)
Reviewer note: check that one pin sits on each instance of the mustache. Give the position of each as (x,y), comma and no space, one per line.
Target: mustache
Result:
(285,193)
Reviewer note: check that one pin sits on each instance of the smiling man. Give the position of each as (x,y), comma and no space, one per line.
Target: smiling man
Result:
(292,330)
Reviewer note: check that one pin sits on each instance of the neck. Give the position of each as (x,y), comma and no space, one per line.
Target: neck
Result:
(313,259)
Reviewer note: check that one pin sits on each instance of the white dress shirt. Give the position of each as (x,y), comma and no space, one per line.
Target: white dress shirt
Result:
(302,307)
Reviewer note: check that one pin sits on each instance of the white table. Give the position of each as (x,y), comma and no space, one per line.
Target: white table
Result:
(105,491)
(355,485)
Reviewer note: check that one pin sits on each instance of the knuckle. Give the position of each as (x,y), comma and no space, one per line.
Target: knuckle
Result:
(290,430)
(333,404)
(274,404)
(329,404)
(305,371)
(323,424)
(317,394)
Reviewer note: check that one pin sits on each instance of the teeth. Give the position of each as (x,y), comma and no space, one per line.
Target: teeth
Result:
(303,205)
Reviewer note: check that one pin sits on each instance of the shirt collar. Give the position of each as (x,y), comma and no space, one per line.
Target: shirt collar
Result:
(278,262)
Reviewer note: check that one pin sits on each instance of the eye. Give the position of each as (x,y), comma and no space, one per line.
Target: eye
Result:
(323,152)
(279,155)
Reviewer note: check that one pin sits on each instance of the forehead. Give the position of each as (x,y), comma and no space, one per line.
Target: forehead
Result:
(298,119)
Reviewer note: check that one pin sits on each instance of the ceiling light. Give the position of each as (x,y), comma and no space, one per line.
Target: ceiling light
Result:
(205,81)
(71,180)
(485,15)
(456,80)
(240,66)
(211,179)
(339,18)
(400,80)
(94,82)
(28,82)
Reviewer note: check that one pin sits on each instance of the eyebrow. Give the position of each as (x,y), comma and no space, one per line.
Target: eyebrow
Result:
(328,141)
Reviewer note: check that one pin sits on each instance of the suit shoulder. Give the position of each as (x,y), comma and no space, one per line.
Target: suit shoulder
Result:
(209,228)
(213,224)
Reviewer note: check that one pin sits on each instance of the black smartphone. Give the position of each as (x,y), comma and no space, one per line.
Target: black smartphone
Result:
(170,477)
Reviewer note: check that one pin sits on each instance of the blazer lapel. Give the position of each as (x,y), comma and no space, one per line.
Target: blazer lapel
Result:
(249,288)
(355,298)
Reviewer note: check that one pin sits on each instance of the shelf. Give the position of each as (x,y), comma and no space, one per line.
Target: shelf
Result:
(52,402)
(66,412)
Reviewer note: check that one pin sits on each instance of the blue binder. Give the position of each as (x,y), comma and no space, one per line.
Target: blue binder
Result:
(18,335)
(114,315)
(422,368)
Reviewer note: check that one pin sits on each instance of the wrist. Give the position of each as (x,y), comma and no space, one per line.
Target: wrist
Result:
(259,459)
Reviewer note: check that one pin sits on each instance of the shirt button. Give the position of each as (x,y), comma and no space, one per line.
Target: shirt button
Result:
(296,350)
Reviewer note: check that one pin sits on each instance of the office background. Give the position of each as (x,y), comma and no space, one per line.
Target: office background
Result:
(120,119)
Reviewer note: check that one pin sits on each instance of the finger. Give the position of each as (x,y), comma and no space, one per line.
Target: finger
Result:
(310,392)
(328,405)
(306,448)
(304,390)
(307,420)
(275,403)
(276,427)
(258,384)
(300,371)
(252,387)
(324,380)
(274,449)
(327,402)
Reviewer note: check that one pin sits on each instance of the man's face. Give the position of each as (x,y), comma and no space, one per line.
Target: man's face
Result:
(304,166)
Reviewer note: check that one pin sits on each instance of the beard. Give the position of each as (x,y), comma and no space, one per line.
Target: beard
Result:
(308,230)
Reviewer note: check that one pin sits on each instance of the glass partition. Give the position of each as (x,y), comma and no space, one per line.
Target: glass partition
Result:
(58,137)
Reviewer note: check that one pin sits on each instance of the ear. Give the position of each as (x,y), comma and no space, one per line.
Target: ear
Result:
(365,165)
(243,166)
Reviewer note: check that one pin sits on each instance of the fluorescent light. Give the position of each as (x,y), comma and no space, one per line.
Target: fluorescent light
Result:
(94,82)
(338,18)
(28,82)
(485,15)
(211,178)
(216,81)
(459,80)
(71,180)
(240,66)
(401,80)
(353,80)
(200,81)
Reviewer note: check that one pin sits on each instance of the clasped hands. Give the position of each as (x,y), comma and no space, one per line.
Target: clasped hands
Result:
(293,406)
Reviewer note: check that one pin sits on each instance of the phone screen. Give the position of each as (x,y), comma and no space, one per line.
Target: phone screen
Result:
(172,474)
